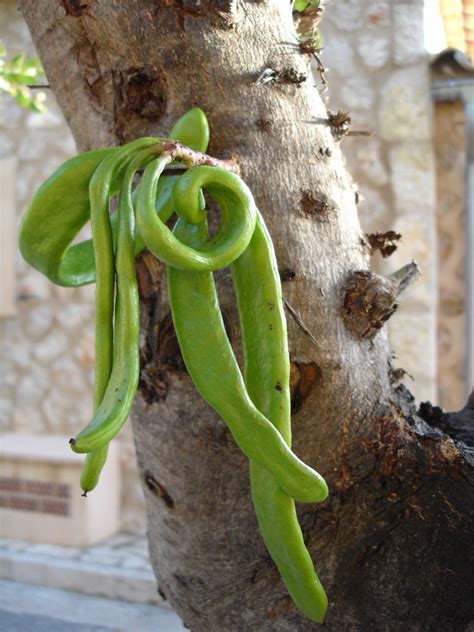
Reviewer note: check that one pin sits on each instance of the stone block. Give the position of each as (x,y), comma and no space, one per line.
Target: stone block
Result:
(50,347)
(418,242)
(50,119)
(73,315)
(38,321)
(11,115)
(87,293)
(338,56)
(8,146)
(6,411)
(64,411)
(32,387)
(68,376)
(7,378)
(33,287)
(374,50)
(377,15)
(40,496)
(346,15)
(26,419)
(408,35)
(413,180)
(405,108)
(412,335)
(18,353)
(373,209)
(85,351)
(369,162)
(357,93)
(66,294)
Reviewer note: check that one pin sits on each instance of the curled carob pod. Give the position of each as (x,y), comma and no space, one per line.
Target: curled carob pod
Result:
(256,407)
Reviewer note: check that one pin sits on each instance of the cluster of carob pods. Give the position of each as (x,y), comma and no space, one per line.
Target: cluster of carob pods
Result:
(256,406)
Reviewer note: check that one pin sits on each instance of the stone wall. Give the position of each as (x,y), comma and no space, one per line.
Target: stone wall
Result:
(378,73)
(47,347)
(450,151)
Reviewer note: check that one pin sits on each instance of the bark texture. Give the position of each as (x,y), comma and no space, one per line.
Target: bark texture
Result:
(391,543)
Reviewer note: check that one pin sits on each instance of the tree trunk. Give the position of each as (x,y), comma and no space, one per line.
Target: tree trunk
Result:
(391,543)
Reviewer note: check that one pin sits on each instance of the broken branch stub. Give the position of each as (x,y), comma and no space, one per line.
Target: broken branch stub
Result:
(370,299)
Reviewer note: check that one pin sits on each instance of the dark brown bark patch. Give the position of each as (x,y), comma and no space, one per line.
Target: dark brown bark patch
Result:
(75,8)
(159,352)
(153,383)
(91,72)
(286,75)
(304,377)
(397,375)
(168,353)
(161,355)
(316,205)
(368,302)
(458,425)
(264,124)
(139,95)
(325,152)
(401,498)
(287,275)
(385,243)
(149,270)
(143,94)
(283,606)
(339,122)
(291,75)
(221,13)
(162,593)
(158,489)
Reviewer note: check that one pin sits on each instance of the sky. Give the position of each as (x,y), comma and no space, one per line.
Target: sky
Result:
(434,35)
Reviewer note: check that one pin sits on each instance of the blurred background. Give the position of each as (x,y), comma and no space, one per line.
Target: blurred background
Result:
(402,72)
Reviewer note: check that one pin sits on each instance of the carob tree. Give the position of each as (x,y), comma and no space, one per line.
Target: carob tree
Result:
(392,542)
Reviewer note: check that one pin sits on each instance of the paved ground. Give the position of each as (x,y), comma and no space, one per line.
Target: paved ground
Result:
(27,608)
(117,568)
(109,587)
(25,622)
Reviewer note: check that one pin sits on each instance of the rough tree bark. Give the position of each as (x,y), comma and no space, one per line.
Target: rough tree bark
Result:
(391,543)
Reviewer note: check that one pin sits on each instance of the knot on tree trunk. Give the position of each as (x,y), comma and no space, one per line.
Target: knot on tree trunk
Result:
(369,299)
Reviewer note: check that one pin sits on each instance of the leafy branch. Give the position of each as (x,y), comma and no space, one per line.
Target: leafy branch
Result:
(302,5)
(19,76)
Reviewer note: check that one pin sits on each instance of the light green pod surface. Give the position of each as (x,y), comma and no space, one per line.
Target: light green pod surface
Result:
(92,469)
(117,401)
(192,129)
(100,189)
(61,207)
(264,338)
(238,216)
(211,363)
(57,212)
